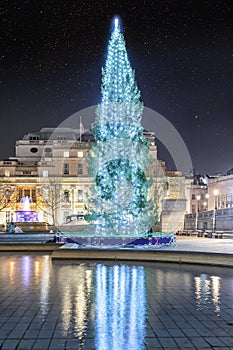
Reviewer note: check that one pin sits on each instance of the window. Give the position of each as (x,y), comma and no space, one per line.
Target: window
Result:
(27,193)
(34,196)
(66,196)
(66,154)
(8,216)
(80,196)
(80,169)
(34,150)
(20,195)
(66,169)
(80,154)
(45,173)
(48,152)
(7,173)
(65,214)
(34,138)
(193,196)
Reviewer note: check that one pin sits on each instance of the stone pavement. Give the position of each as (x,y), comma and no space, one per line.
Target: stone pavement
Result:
(205,245)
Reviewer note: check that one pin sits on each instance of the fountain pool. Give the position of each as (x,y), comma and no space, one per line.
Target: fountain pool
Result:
(94,305)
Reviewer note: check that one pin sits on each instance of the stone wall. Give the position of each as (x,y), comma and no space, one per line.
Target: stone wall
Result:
(218,220)
(172,216)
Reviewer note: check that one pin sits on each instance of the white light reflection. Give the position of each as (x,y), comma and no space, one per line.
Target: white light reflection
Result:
(120,307)
(75,285)
(216,281)
(45,285)
(26,270)
(207,291)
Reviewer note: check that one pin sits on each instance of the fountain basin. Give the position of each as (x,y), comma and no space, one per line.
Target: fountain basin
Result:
(27,226)
(26,216)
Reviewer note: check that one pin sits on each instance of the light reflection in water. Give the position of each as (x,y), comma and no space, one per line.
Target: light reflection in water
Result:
(33,271)
(75,288)
(26,270)
(45,271)
(12,271)
(120,307)
(207,291)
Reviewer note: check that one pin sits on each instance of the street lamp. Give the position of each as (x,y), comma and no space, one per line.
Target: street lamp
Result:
(198,197)
(207,201)
(205,205)
(215,207)
(215,198)
(7,193)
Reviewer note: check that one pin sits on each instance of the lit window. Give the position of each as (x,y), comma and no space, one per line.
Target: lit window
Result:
(80,196)
(66,154)
(34,196)
(66,196)
(45,173)
(27,193)
(7,173)
(80,154)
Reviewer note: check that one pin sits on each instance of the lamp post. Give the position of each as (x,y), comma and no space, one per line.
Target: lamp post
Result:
(207,200)
(198,197)
(7,193)
(215,199)
(215,208)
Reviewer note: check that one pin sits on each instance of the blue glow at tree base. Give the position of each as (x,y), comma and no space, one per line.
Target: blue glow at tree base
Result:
(121,202)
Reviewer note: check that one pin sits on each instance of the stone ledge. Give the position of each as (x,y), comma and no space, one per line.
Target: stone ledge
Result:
(217,259)
(28,247)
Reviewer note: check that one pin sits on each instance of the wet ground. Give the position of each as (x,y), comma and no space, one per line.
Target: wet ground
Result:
(47,304)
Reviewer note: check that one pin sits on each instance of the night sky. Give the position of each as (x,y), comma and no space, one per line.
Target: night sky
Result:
(182,51)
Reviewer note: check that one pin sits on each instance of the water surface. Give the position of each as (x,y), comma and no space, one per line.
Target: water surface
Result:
(94,305)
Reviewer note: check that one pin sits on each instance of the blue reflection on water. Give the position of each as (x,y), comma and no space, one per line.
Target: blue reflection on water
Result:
(120,307)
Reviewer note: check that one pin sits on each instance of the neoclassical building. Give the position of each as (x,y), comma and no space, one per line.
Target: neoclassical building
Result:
(50,169)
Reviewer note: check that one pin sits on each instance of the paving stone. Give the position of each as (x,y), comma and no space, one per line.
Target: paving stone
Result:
(176,332)
(10,344)
(41,344)
(167,342)
(184,343)
(72,344)
(213,341)
(190,332)
(26,344)
(227,341)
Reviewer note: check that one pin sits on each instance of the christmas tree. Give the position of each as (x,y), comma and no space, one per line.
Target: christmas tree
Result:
(120,202)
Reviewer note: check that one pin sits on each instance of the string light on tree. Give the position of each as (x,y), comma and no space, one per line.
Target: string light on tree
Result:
(120,203)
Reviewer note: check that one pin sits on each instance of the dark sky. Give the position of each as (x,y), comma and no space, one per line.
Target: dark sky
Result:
(52,52)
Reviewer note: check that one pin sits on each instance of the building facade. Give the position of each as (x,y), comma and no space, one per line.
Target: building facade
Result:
(215,213)
(50,168)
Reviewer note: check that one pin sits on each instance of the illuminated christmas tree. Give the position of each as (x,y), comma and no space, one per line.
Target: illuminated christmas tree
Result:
(120,202)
